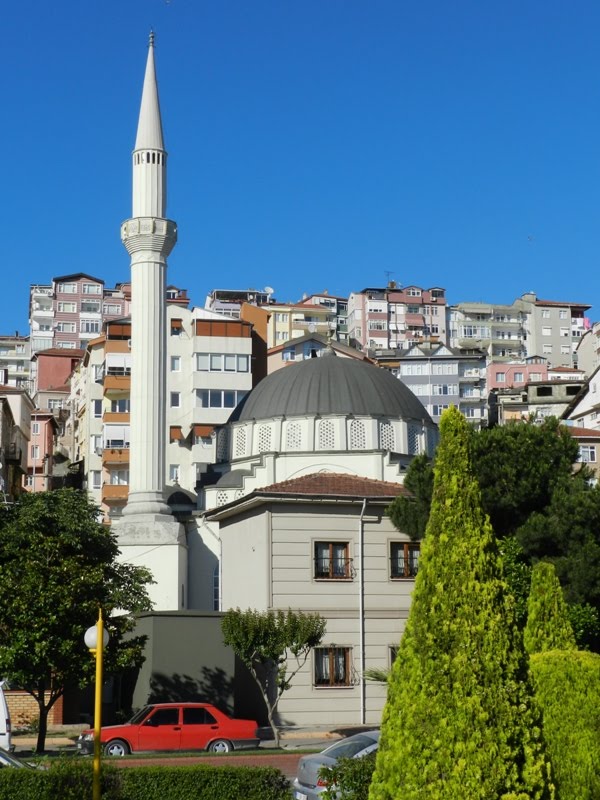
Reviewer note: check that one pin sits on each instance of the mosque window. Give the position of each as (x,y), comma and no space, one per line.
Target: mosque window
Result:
(264,439)
(222,445)
(326,435)
(240,443)
(294,436)
(404,559)
(386,436)
(358,439)
(414,439)
(221,498)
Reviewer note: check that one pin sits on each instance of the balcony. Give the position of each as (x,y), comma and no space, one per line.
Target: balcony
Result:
(120,383)
(42,312)
(470,398)
(41,291)
(115,493)
(471,376)
(115,455)
(119,417)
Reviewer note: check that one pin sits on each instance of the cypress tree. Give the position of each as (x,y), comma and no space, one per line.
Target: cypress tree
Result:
(548,626)
(459,721)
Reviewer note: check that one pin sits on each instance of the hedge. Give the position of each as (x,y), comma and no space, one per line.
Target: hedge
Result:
(567,689)
(72,780)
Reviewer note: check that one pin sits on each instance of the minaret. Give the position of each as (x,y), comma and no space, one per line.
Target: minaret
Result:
(147,528)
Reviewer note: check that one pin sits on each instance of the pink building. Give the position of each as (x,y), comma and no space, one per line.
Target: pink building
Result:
(510,375)
(40,461)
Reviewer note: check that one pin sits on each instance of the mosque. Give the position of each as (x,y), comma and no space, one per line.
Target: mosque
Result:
(291,515)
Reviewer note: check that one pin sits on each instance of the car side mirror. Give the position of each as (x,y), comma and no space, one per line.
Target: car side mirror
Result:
(150,722)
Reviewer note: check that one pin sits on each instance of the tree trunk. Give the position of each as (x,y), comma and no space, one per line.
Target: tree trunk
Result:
(273,724)
(43,721)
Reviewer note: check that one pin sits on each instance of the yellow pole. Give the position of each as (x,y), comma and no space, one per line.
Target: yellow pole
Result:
(98,706)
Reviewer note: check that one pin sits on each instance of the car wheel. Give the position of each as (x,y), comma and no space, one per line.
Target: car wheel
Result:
(220,746)
(116,747)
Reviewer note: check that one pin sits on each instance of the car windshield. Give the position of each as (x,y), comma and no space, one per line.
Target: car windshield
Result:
(350,747)
(6,760)
(140,715)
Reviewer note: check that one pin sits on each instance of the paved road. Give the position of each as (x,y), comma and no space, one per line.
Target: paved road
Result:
(286,762)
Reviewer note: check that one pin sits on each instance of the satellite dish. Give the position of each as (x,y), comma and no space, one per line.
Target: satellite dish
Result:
(312,328)
(269,290)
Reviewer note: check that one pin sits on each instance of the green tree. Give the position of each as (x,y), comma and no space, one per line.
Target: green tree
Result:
(410,513)
(459,719)
(548,626)
(58,566)
(567,689)
(264,641)
(539,506)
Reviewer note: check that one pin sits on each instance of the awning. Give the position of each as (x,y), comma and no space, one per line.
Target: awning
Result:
(203,430)
(175,432)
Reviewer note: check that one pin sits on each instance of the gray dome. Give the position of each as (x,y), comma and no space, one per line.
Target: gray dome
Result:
(331,385)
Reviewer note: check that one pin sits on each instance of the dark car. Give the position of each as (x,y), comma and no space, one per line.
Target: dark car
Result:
(308,785)
(9,760)
(174,726)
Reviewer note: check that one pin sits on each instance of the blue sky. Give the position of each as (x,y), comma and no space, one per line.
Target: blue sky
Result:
(312,145)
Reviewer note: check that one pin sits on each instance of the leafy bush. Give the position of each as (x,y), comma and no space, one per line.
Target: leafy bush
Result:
(349,778)
(72,780)
(567,689)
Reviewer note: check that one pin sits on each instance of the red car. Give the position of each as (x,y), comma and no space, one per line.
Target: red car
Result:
(174,726)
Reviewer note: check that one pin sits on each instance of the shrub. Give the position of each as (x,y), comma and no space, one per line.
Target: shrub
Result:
(548,626)
(460,721)
(72,780)
(349,778)
(567,688)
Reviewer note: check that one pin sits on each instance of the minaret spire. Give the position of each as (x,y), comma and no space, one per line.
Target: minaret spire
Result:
(149,132)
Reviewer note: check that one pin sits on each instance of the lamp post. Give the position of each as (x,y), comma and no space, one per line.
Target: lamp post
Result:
(96,639)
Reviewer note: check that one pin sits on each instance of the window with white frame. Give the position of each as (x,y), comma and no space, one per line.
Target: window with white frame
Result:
(96,443)
(289,354)
(120,405)
(518,377)
(66,345)
(413,292)
(66,327)
(54,404)
(174,473)
(91,288)
(97,408)
(500,377)
(90,307)
(562,314)
(67,308)
(66,288)
(332,666)
(444,388)
(112,308)
(222,362)
(35,428)
(175,399)
(587,453)
(545,313)
(119,477)
(546,330)
(175,363)
(35,451)
(29,481)
(565,349)
(96,479)
(89,326)
(218,398)
(546,349)
(438,409)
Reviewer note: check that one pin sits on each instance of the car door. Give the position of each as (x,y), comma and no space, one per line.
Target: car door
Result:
(198,728)
(161,730)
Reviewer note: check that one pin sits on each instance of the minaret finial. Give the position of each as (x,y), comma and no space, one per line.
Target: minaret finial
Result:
(151,38)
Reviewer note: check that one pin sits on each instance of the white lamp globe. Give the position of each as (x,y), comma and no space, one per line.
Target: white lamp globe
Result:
(91,638)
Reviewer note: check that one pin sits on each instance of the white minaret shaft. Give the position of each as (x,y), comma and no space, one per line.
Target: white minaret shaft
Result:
(149,238)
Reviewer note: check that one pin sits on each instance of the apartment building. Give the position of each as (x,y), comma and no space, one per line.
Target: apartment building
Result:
(70,312)
(516,374)
(527,327)
(292,320)
(310,346)
(42,452)
(230,301)
(389,318)
(209,371)
(15,358)
(441,376)
(534,401)
(338,305)
(15,434)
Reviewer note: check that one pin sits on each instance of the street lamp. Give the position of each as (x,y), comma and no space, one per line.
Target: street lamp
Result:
(96,639)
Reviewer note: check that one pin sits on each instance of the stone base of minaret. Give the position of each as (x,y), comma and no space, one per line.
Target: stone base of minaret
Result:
(157,542)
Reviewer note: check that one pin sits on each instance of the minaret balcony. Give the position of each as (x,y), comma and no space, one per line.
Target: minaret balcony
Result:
(143,234)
